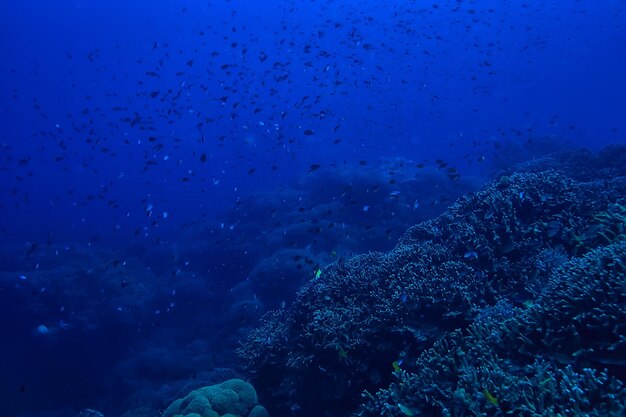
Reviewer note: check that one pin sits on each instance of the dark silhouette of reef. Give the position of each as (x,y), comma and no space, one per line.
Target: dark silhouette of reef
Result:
(512,302)
(274,241)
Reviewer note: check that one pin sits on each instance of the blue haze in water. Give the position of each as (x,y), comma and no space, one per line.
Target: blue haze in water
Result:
(171,170)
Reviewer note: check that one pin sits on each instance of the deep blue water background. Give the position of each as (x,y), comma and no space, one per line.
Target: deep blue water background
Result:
(477,84)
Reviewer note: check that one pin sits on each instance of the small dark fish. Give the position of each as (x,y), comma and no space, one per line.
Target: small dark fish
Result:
(33,248)
(313,168)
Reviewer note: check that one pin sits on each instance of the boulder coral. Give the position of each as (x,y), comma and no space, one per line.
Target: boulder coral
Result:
(232,398)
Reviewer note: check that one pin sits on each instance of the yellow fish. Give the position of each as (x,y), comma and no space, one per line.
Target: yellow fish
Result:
(493,400)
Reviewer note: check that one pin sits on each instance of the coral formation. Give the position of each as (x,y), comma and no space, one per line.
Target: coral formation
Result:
(512,283)
(232,398)
(276,239)
(557,356)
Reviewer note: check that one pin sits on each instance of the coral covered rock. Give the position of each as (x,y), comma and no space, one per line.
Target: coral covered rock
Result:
(232,398)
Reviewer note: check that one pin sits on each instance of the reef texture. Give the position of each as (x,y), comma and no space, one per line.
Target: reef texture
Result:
(232,398)
(511,302)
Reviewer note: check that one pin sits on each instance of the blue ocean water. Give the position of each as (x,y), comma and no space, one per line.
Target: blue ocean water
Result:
(170,171)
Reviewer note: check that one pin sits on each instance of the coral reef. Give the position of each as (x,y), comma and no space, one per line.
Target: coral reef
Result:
(560,355)
(275,240)
(509,251)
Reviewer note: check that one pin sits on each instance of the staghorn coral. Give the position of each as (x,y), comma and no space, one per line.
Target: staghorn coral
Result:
(499,246)
(547,359)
